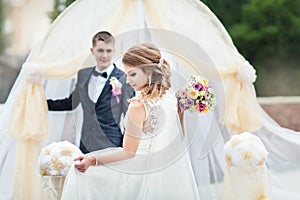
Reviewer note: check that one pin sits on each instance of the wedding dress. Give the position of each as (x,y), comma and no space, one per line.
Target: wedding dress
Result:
(160,169)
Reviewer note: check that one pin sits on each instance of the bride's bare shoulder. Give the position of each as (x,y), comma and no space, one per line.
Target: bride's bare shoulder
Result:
(137,110)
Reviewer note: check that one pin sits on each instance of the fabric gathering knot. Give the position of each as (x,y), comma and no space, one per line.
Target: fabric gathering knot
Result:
(33,72)
(246,73)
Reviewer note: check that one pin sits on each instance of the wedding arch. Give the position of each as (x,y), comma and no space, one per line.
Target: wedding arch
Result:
(196,43)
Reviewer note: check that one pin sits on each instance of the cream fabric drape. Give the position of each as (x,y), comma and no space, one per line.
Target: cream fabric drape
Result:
(29,124)
(247,182)
(195,42)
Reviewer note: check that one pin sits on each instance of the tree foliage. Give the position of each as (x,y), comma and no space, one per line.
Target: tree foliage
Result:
(229,11)
(260,29)
(269,28)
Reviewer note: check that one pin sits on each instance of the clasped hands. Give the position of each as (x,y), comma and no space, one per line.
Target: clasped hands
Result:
(82,163)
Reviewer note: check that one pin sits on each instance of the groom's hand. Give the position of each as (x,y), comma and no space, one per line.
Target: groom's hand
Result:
(84,162)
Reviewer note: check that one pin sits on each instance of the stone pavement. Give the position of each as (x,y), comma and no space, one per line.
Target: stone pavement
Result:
(284,110)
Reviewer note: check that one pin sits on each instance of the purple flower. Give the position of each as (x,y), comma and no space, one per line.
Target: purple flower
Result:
(182,93)
(189,102)
(202,107)
(181,106)
(198,86)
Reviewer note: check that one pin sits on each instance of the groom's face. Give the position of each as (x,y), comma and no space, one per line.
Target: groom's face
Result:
(103,53)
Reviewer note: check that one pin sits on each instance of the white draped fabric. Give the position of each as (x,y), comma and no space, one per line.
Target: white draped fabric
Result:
(193,40)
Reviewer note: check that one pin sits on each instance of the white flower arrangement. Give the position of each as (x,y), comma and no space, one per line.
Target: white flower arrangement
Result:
(245,149)
(57,158)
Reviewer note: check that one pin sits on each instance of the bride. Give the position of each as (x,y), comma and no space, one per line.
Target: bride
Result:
(153,163)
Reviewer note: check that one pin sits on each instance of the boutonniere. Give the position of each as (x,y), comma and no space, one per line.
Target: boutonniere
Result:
(116,88)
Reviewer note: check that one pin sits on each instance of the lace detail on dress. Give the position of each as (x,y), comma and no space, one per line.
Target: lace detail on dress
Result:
(155,122)
(152,123)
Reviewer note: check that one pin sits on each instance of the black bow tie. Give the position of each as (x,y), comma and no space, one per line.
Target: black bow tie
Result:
(104,74)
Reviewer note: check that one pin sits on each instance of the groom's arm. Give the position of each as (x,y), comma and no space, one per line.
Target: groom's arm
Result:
(66,104)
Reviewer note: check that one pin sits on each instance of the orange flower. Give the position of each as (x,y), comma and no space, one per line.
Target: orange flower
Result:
(205,109)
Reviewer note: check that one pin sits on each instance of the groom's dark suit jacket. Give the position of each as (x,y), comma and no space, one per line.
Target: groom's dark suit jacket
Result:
(100,127)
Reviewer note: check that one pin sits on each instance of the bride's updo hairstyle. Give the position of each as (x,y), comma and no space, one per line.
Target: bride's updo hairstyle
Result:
(147,57)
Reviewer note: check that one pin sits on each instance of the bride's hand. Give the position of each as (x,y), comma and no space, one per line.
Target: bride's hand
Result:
(84,162)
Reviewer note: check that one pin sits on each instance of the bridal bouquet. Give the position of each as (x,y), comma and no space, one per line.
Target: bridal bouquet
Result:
(57,158)
(197,96)
(245,149)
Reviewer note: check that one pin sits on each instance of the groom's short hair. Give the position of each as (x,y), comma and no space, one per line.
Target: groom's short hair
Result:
(103,36)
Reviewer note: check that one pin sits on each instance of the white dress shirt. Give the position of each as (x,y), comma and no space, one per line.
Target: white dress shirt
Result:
(97,83)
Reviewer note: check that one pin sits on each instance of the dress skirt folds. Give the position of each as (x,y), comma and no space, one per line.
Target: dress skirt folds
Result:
(52,187)
(172,182)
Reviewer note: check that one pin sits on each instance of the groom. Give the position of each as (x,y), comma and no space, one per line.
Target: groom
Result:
(102,109)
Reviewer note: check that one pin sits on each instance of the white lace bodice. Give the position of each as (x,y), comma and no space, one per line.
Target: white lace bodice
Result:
(161,115)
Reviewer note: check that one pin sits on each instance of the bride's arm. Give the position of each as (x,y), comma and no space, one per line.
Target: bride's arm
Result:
(136,116)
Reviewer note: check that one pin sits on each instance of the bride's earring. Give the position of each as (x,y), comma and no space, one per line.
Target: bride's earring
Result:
(149,79)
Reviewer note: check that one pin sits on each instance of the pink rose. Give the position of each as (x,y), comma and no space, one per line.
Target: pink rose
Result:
(116,91)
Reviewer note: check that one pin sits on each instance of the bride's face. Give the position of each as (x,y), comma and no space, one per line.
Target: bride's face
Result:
(136,77)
